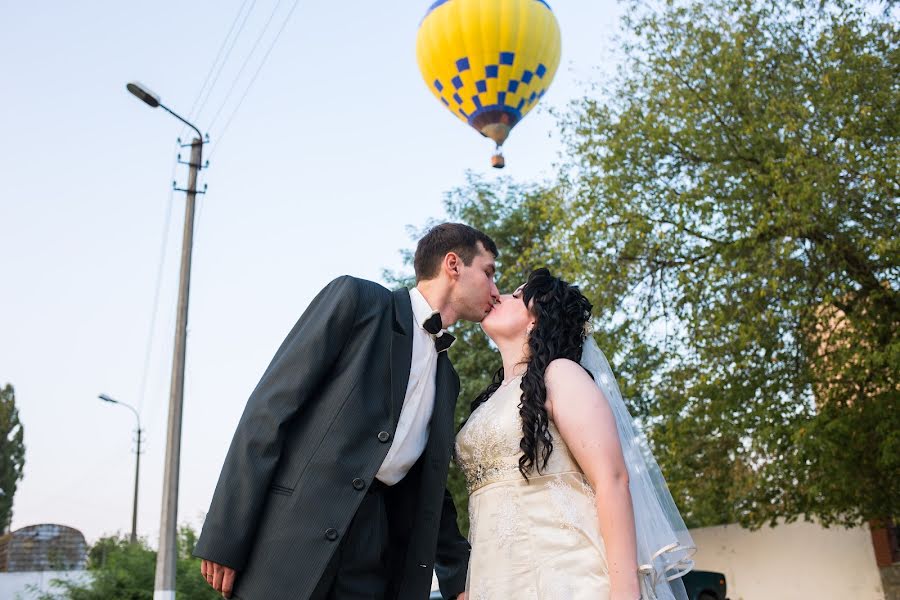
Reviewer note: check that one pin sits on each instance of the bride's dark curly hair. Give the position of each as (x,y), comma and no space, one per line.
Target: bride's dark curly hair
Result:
(561,312)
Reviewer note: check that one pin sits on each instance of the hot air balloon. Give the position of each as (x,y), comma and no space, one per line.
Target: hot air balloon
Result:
(489,61)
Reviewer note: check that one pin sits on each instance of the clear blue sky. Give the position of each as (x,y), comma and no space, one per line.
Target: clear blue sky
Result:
(336,149)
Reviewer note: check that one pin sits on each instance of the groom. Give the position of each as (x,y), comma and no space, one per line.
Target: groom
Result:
(334,484)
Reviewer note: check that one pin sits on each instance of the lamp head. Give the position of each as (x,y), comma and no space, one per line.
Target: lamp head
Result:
(143,93)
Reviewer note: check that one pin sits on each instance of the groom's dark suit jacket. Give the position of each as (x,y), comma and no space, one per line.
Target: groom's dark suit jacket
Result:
(312,437)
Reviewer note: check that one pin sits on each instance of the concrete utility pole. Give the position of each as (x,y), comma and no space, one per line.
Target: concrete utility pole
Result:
(166,557)
(137,475)
(164,588)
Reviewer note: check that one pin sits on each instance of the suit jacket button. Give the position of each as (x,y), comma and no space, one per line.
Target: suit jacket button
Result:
(331,534)
(383,436)
(358,484)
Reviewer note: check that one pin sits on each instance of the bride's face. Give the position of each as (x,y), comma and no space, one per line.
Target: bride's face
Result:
(510,318)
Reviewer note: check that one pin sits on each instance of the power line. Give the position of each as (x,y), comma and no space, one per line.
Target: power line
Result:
(159,274)
(246,62)
(195,113)
(215,79)
(253,79)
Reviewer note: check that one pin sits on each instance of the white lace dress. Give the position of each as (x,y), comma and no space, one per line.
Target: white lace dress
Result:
(530,539)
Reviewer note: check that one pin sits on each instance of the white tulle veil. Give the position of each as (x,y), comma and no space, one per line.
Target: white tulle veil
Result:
(664,546)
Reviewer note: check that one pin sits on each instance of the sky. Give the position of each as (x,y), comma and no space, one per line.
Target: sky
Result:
(336,149)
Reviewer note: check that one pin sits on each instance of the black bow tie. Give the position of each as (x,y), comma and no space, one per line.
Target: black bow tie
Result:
(433,325)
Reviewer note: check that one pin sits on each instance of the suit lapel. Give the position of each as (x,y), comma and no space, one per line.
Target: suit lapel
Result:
(446,380)
(445,394)
(401,350)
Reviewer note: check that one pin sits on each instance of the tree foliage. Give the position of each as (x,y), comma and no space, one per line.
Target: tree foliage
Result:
(729,203)
(12,453)
(125,571)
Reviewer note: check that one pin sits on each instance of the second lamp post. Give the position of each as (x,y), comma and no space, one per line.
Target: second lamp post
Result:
(137,463)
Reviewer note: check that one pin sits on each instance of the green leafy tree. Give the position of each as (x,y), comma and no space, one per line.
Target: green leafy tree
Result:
(125,571)
(12,453)
(729,203)
(740,186)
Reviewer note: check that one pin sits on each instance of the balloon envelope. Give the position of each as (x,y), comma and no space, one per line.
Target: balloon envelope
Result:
(489,62)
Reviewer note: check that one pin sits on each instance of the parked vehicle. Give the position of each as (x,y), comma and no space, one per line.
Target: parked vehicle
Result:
(705,585)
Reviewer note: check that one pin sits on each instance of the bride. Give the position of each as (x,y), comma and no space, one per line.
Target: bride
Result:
(565,498)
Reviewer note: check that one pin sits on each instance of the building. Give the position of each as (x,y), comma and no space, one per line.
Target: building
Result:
(32,557)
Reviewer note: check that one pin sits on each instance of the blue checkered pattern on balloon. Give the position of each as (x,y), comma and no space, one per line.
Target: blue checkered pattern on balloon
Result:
(499,102)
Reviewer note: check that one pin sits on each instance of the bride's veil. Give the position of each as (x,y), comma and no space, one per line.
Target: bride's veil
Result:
(664,546)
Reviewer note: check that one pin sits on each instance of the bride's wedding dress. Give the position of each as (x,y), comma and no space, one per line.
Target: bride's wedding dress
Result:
(530,539)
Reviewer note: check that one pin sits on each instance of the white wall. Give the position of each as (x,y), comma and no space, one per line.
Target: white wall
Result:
(797,561)
(15,586)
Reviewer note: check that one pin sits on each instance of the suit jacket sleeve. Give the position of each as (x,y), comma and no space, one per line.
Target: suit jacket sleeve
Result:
(452,560)
(295,373)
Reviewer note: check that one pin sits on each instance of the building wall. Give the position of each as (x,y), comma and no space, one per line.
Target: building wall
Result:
(44,547)
(26,585)
(796,561)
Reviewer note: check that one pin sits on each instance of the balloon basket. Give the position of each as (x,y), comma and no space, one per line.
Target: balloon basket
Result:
(497,161)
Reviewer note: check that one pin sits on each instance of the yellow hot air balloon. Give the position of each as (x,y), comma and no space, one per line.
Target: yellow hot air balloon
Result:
(489,61)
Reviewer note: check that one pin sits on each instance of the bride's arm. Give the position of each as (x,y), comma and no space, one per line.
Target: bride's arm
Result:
(587,425)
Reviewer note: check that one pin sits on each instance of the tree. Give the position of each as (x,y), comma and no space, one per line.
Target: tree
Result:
(743,184)
(125,571)
(12,453)
(729,203)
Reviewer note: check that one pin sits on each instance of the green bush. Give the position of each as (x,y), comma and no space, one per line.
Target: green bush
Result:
(125,571)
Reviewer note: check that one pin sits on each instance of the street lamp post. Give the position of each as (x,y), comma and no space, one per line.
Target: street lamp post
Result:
(137,463)
(164,586)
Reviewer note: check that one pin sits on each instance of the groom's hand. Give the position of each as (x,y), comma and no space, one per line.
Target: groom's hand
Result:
(220,577)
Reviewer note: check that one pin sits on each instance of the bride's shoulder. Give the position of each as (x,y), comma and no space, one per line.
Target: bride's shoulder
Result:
(568,385)
(564,369)
(563,375)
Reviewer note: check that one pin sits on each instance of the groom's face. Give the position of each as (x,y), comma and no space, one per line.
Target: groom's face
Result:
(475,292)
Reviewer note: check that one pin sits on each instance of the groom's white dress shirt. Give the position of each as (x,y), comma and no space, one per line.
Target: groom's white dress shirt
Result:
(418,404)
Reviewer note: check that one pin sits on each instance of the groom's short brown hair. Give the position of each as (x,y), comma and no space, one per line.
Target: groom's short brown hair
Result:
(444,238)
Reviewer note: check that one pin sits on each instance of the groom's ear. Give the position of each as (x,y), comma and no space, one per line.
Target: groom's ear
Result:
(451,264)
